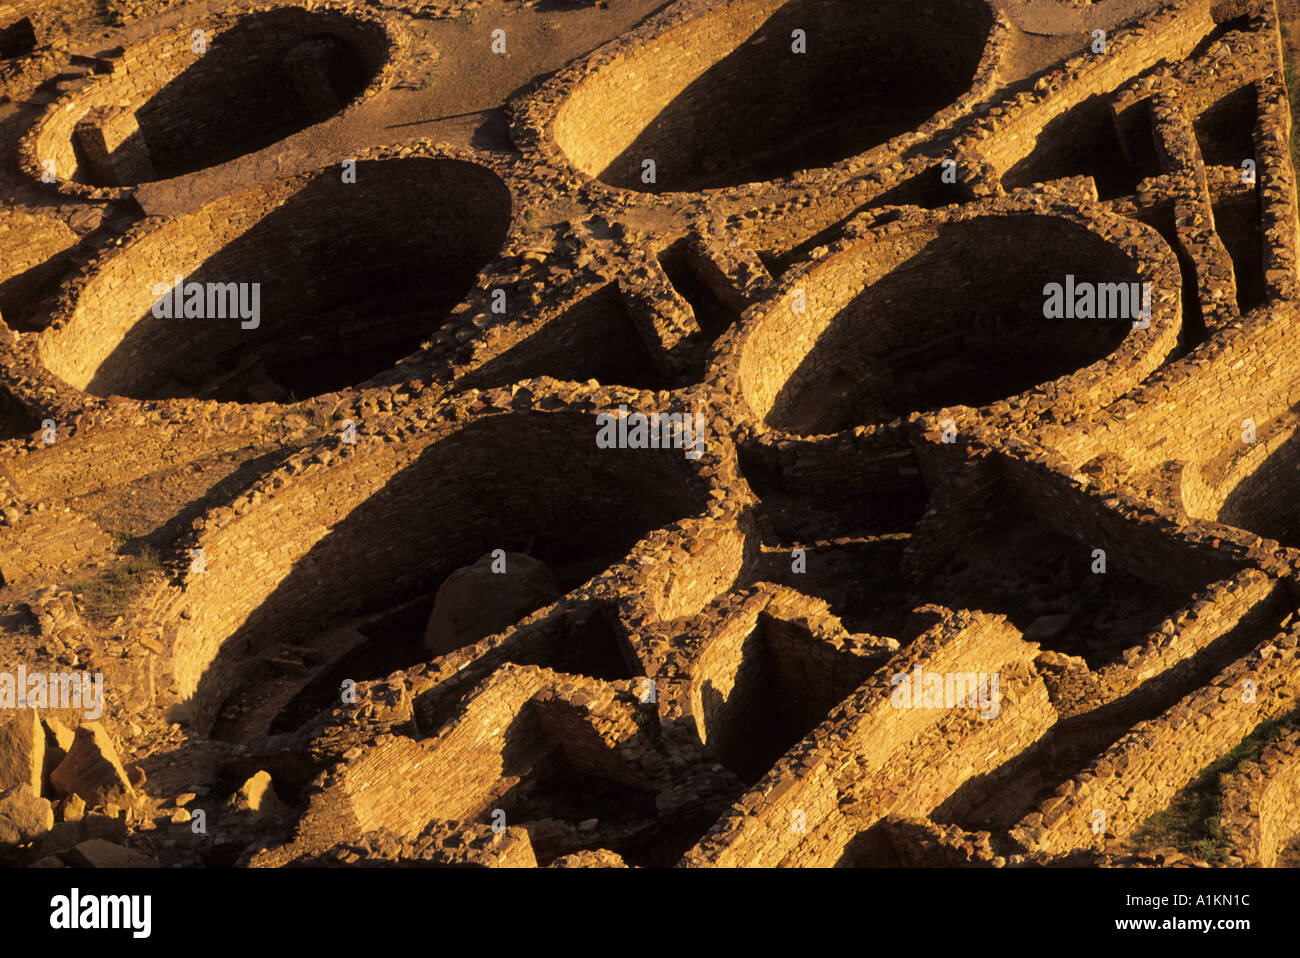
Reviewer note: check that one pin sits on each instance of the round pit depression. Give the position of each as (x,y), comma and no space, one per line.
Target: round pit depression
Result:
(398,520)
(935,316)
(310,286)
(725,99)
(169,109)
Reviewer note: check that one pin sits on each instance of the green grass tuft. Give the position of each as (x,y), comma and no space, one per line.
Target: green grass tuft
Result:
(1191,823)
(103,595)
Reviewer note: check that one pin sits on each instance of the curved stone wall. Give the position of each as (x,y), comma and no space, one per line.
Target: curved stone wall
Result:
(913,470)
(1258,494)
(349,277)
(727,98)
(1259,800)
(375,523)
(186,100)
(933,316)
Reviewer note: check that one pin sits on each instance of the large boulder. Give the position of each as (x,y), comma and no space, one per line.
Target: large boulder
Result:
(22,750)
(91,768)
(486,597)
(24,816)
(256,799)
(58,739)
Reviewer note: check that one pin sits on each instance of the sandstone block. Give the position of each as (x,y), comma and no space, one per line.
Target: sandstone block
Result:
(24,816)
(63,735)
(97,853)
(258,798)
(22,751)
(92,769)
(475,602)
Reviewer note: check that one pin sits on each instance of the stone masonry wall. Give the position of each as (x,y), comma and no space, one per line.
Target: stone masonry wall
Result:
(1259,801)
(235,95)
(1140,773)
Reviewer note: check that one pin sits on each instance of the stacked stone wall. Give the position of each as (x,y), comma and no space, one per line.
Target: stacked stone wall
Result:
(194,106)
(664,102)
(1141,773)
(1259,801)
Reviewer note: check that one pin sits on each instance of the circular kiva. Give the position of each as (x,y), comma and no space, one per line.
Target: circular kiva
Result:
(345,534)
(946,309)
(755,90)
(207,93)
(304,287)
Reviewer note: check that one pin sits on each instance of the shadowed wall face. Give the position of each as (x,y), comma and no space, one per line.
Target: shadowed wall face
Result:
(241,95)
(384,539)
(192,101)
(933,318)
(1263,501)
(759,690)
(728,98)
(17,38)
(350,277)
